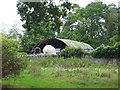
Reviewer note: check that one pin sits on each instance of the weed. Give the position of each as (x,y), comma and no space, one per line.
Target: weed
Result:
(56,72)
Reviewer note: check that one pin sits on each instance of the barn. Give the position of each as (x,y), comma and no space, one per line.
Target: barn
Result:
(55,45)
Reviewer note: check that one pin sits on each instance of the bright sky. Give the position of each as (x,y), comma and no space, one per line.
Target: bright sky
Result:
(9,16)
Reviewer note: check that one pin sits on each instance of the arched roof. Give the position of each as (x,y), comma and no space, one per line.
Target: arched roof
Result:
(62,43)
(76,44)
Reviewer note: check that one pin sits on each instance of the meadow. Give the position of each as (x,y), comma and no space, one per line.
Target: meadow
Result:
(57,72)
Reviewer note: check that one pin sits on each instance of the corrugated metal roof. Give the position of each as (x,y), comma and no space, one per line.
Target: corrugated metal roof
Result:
(62,43)
(76,44)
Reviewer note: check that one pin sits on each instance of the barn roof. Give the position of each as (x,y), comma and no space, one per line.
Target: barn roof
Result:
(62,43)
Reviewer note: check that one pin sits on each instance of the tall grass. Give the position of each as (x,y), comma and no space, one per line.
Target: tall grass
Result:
(73,72)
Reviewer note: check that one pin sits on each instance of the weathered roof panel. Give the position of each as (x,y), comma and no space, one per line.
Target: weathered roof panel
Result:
(62,43)
(75,44)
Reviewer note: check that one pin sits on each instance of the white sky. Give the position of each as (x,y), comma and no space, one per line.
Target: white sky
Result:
(9,16)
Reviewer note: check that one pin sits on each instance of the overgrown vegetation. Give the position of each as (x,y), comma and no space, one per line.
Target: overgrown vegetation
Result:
(107,51)
(72,52)
(11,65)
(54,72)
(44,20)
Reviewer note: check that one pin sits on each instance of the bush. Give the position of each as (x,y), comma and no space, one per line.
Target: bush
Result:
(71,52)
(107,52)
(11,65)
(117,50)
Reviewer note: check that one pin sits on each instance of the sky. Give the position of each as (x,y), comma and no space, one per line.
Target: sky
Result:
(9,16)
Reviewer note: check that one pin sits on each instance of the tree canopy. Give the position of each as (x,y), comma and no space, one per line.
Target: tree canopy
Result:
(95,24)
(41,20)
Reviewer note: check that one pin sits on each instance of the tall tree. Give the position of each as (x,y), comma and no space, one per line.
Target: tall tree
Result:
(111,24)
(41,20)
(119,22)
(92,24)
(14,33)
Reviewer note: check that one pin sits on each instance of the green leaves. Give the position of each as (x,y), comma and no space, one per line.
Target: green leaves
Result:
(93,24)
(42,20)
(72,52)
(107,52)
(11,65)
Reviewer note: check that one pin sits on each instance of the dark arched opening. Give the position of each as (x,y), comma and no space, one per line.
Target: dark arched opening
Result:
(54,42)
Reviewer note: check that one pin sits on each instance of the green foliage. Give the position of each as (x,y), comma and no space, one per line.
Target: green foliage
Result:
(107,52)
(42,21)
(114,39)
(65,73)
(72,52)
(93,28)
(14,33)
(117,49)
(11,65)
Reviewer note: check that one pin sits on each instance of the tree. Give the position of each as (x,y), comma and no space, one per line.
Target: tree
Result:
(92,24)
(14,33)
(42,20)
(119,23)
(111,24)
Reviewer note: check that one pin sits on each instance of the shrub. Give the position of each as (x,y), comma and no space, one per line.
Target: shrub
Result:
(107,52)
(11,65)
(72,52)
(117,50)
(97,52)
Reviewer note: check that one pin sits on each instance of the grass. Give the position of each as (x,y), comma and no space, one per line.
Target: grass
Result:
(54,72)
